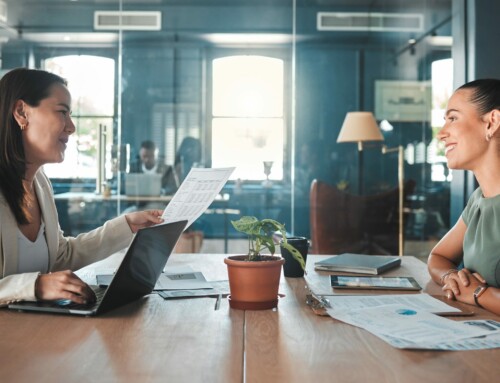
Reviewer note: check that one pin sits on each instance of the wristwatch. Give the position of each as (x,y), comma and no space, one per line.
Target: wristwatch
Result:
(478,292)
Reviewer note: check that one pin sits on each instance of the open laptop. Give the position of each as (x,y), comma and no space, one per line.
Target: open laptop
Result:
(142,184)
(135,277)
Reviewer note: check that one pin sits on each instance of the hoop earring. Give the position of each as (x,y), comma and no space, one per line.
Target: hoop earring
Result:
(22,127)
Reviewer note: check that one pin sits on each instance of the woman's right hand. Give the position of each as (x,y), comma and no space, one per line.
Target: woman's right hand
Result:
(63,285)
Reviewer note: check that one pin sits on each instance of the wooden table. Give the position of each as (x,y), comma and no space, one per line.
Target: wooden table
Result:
(187,340)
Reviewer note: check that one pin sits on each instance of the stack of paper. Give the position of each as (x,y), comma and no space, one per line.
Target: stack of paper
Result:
(410,323)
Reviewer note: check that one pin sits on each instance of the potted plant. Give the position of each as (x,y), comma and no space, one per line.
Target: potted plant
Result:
(254,277)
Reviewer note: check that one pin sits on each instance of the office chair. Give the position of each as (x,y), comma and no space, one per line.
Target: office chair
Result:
(335,219)
(343,222)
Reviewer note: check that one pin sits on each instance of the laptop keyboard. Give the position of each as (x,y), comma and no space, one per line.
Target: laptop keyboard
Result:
(99,294)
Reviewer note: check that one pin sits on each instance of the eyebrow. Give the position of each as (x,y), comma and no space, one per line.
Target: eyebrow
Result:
(64,105)
(451,110)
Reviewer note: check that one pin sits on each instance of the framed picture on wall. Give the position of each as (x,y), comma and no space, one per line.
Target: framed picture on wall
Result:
(403,100)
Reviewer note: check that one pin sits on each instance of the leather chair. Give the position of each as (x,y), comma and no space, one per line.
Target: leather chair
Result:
(335,219)
(343,222)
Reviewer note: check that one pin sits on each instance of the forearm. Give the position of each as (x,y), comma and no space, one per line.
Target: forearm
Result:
(490,300)
(439,266)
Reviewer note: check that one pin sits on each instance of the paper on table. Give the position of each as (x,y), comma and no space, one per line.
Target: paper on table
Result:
(406,323)
(196,193)
(218,288)
(417,301)
(182,281)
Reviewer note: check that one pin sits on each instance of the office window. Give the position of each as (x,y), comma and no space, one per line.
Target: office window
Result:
(91,84)
(247,115)
(442,89)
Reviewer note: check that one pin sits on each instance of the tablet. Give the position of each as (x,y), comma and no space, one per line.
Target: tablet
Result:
(376,283)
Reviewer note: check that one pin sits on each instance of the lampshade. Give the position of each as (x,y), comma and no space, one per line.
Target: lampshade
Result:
(359,127)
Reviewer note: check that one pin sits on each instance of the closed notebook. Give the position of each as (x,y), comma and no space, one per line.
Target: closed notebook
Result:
(359,263)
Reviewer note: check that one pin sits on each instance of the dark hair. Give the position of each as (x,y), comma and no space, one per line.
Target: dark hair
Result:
(485,94)
(148,145)
(31,86)
(190,144)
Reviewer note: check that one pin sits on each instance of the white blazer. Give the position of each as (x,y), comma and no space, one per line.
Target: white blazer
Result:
(64,252)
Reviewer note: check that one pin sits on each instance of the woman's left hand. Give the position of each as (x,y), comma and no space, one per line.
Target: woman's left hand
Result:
(139,219)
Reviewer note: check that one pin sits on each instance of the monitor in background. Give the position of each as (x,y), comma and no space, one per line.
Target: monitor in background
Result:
(143,184)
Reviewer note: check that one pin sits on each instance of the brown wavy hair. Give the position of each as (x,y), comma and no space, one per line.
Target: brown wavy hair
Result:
(31,86)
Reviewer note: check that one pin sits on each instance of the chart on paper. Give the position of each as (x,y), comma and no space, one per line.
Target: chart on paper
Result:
(196,193)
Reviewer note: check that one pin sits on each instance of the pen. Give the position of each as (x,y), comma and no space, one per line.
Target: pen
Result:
(217,302)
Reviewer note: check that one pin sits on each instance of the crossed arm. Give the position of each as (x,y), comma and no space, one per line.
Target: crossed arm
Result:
(460,285)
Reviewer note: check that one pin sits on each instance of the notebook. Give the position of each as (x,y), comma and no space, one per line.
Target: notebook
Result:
(135,277)
(142,184)
(359,263)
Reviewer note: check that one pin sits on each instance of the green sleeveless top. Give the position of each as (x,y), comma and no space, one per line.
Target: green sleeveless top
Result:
(482,238)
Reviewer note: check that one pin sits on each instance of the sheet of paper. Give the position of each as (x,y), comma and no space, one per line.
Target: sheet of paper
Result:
(417,301)
(196,193)
(218,288)
(182,281)
(176,278)
(414,325)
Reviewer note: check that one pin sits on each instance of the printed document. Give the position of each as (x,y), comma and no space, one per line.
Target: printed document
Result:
(417,301)
(405,326)
(196,193)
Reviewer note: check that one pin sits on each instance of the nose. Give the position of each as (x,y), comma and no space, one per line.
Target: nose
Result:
(443,132)
(70,126)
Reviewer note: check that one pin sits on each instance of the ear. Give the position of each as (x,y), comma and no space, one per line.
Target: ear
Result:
(494,122)
(20,112)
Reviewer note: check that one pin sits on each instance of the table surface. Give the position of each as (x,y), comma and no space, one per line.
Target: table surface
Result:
(188,340)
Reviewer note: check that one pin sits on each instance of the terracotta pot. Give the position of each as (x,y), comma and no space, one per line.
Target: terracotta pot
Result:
(254,285)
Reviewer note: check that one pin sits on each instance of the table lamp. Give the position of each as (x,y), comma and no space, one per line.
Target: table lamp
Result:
(361,127)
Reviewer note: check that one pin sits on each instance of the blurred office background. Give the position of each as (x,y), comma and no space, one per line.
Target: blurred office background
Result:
(265,86)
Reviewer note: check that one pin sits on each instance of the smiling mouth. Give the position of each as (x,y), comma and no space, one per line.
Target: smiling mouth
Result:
(449,149)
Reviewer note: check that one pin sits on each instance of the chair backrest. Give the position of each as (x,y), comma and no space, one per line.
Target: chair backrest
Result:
(342,222)
(336,220)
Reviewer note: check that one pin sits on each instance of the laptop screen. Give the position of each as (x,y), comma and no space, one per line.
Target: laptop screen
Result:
(143,264)
(141,184)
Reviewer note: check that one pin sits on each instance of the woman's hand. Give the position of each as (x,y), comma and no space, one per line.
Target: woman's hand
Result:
(63,285)
(146,218)
(461,286)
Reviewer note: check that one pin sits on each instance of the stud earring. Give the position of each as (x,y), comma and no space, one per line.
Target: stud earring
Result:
(488,136)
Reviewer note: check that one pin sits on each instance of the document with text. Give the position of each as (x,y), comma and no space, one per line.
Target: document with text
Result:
(196,193)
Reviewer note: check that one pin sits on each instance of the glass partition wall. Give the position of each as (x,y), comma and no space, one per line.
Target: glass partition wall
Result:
(260,85)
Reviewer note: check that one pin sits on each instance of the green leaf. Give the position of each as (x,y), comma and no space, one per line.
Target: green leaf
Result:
(295,254)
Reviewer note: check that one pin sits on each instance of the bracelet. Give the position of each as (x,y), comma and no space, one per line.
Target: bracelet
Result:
(450,271)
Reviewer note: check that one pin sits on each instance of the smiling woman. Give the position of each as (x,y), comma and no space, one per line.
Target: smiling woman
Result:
(35,124)
(471,137)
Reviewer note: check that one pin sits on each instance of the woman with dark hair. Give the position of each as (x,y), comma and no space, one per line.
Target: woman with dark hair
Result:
(471,135)
(187,156)
(35,257)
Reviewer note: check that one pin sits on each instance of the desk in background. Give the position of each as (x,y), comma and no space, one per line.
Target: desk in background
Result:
(80,212)
(187,340)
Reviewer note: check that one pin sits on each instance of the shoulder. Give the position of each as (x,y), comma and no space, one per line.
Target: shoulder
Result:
(163,168)
(472,205)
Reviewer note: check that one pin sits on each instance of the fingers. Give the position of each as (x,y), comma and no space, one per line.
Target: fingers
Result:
(451,288)
(479,277)
(63,285)
(144,218)
(464,276)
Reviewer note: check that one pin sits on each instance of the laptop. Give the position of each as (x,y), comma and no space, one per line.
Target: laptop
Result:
(142,184)
(135,277)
